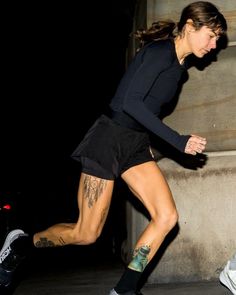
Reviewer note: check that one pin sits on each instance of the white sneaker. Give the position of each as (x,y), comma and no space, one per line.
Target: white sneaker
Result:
(228,275)
(6,248)
(113,292)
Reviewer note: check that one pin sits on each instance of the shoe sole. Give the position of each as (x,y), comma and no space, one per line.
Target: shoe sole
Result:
(224,281)
(10,238)
(113,292)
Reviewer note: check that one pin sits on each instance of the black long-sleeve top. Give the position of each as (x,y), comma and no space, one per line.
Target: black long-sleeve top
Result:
(151,80)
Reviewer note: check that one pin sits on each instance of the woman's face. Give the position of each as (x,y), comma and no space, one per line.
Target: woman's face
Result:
(202,41)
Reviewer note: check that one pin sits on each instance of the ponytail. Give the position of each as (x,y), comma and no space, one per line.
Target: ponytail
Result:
(159,30)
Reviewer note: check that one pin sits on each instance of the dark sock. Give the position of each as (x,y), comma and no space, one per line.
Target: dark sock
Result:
(128,281)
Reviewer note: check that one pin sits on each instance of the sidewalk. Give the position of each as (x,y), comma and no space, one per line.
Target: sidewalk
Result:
(86,271)
(99,279)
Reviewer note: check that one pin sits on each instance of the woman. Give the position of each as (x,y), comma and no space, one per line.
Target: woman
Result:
(119,145)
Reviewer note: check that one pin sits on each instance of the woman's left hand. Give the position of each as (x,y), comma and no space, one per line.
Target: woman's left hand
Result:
(195,144)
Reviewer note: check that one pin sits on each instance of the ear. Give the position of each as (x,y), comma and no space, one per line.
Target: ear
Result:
(189,26)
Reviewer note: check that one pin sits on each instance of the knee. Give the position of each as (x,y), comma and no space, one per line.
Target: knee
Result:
(166,220)
(87,237)
(173,218)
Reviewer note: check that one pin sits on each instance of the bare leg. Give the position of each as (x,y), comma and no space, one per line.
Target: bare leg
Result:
(149,185)
(94,197)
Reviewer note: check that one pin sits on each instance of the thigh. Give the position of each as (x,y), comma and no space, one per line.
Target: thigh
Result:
(148,183)
(94,198)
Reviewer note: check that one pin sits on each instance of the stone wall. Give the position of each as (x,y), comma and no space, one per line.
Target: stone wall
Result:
(171,9)
(205,237)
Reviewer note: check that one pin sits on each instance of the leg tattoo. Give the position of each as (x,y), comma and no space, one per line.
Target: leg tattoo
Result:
(93,188)
(140,259)
(44,243)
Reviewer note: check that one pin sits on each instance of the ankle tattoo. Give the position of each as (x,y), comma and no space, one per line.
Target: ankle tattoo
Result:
(140,258)
(46,243)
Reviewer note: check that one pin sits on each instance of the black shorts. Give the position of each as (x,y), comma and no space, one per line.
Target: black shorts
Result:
(108,149)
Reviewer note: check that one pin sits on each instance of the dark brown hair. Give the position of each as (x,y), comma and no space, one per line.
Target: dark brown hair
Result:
(202,13)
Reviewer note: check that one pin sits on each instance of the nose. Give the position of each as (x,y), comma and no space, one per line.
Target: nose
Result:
(212,44)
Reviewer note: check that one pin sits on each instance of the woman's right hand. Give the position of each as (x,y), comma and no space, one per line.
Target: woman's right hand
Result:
(195,144)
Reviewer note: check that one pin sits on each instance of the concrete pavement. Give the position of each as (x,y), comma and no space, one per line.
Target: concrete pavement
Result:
(98,279)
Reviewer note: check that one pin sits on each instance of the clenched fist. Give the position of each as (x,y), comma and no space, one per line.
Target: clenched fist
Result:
(195,144)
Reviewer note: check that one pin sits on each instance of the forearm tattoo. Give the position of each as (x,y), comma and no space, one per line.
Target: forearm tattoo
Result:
(140,258)
(93,188)
(45,243)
